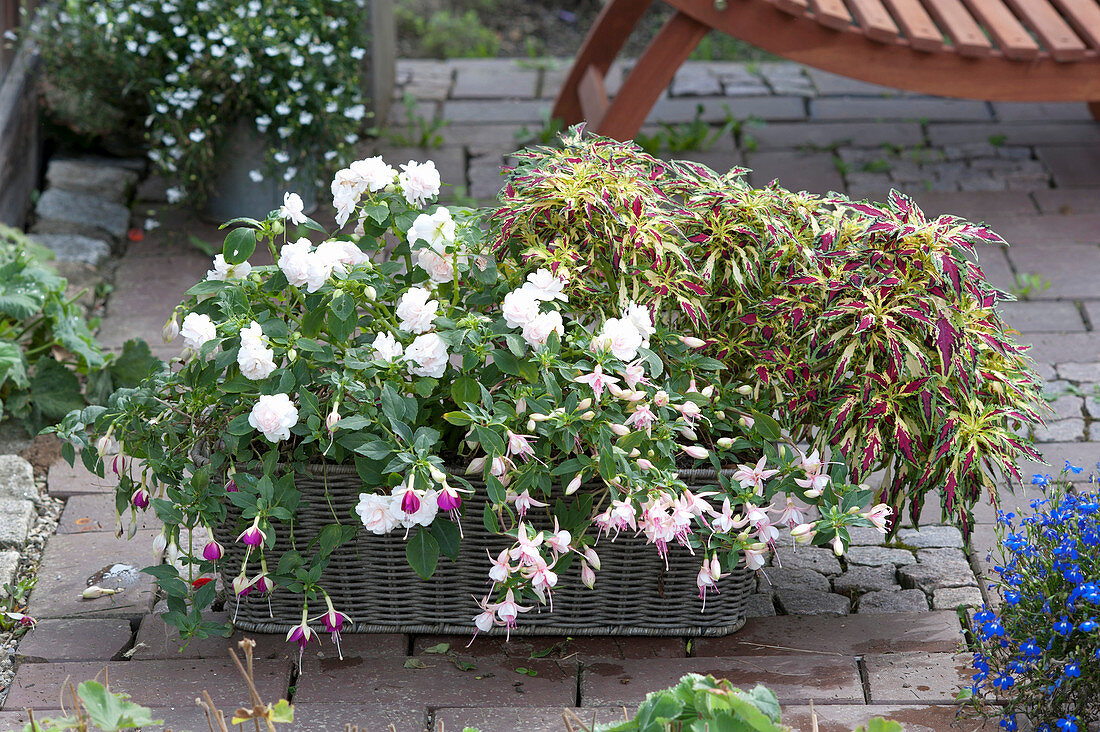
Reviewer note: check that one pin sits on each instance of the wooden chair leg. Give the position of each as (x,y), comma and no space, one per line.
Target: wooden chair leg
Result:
(1094,110)
(602,44)
(651,74)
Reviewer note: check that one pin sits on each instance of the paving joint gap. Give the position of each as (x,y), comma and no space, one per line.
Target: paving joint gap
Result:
(1084,313)
(864,679)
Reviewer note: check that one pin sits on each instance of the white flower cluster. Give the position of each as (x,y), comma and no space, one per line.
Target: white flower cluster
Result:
(255,358)
(363,176)
(438,232)
(427,354)
(522,307)
(309,267)
(624,336)
(382,514)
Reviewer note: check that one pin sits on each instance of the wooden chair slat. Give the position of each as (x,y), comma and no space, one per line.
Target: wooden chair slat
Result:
(1084,16)
(1055,33)
(831,13)
(874,20)
(916,24)
(1011,36)
(794,7)
(964,32)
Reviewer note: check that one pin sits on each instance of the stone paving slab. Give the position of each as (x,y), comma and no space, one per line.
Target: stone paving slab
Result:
(1069,268)
(76,639)
(92,177)
(1067,201)
(64,480)
(914,717)
(390,682)
(511,719)
(906,678)
(71,560)
(17,517)
(1073,166)
(17,478)
(553,647)
(1043,317)
(929,108)
(163,683)
(849,636)
(794,678)
(66,212)
(1021,133)
(96,512)
(155,640)
(9,567)
(786,135)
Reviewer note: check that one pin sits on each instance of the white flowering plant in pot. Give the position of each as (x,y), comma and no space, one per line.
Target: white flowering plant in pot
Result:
(189,71)
(396,345)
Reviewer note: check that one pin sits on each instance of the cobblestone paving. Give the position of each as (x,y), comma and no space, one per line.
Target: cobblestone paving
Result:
(874,634)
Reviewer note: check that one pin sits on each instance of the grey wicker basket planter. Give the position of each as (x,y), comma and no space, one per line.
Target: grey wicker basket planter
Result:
(370,580)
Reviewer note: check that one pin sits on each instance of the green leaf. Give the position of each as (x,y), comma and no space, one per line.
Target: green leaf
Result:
(465,390)
(422,553)
(447,535)
(239,245)
(438,648)
(132,365)
(54,390)
(766,426)
(282,712)
(111,712)
(12,365)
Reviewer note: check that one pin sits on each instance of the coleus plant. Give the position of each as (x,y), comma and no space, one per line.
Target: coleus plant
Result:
(420,364)
(870,331)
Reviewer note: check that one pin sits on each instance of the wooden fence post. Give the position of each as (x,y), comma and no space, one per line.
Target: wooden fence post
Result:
(378,66)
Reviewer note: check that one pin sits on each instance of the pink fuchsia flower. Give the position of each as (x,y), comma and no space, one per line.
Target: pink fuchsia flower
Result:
(242,586)
(755,556)
(501,569)
(301,634)
(791,515)
(598,380)
(559,540)
(708,577)
(252,536)
(726,521)
(448,499)
(518,445)
(803,533)
(484,620)
(262,584)
(634,374)
(879,515)
(333,419)
(526,550)
(642,418)
(543,579)
(140,498)
(754,476)
(213,551)
(25,620)
(410,502)
(509,610)
(524,502)
(333,622)
(758,518)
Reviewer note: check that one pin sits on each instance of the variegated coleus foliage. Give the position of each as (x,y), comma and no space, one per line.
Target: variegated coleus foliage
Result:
(870,329)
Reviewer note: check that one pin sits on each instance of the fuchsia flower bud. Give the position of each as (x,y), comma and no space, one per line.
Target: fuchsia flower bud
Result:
(261,583)
(573,485)
(140,498)
(241,586)
(333,420)
(118,464)
(588,577)
(213,551)
(699,453)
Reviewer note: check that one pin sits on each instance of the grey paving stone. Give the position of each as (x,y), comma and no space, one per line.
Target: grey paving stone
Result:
(1023,133)
(739,81)
(809,171)
(787,78)
(941,556)
(494,79)
(1078,372)
(1073,166)
(1065,266)
(64,480)
(76,248)
(866,579)
(760,605)
(103,181)
(949,598)
(816,134)
(718,109)
(782,578)
(856,108)
(1078,453)
(834,85)
(892,601)
(16,521)
(916,677)
(67,212)
(1041,111)
(1067,201)
(96,512)
(819,559)
(932,536)
(9,567)
(792,676)
(1042,316)
(931,577)
(1053,347)
(1061,430)
(866,536)
(695,79)
(17,478)
(504,111)
(812,602)
(72,562)
(75,639)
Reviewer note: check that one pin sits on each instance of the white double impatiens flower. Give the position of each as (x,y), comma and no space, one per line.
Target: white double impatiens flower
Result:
(255,359)
(419,182)
(223,271)
(624,336)
(416,310)
(362,176)
(386,348)
(197,329)
(427,356)
(311,268)
(274,415)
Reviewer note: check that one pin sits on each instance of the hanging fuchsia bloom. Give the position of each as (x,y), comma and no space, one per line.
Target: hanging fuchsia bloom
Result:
(642,418)
(754,476)
(301,634)
(708,578)
(140,498)
(484,620)
(448,499)
(634,374)
(262,584)
(241,586)
(518,445)
(526,550)
(598,380)
(559,540)
(508,611)
(755,556)
(501,569)
(25,620)
(213,551)
(791,515)
(879,515)
(524,502)
(252,536)
(118,464)
(410,502)
(333,622)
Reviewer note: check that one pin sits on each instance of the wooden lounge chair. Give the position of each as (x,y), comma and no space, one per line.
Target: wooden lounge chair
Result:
(1005,50)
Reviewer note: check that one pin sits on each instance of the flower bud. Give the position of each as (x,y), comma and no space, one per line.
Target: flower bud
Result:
(371,293)
(725,442)
(802,530)
(699,453)
(721,414)
(617,391)
(692,342)
(530,425)
(171,329)
(212,551)
(437,475)
(476,465)
(691,386)
(619,429)
(636,396)
(588,577)
(95,591)
(689,433)
(587,416)
(521,406)
(838,546)
(333,419)
(592,557)
(573,485)
(584,403)
(708,391)
(292,355)
(645,464)
(634,453)
(107,445)
(536,417)
(660,399)
(744,390)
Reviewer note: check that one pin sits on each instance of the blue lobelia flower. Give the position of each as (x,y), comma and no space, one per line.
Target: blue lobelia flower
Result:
(1067,724)
(1072,468)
